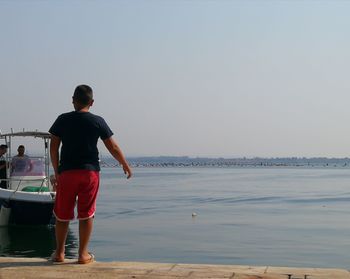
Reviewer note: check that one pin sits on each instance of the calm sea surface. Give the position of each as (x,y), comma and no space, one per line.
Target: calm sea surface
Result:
(249,216)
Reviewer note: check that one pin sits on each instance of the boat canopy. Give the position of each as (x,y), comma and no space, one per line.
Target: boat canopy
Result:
(34,134)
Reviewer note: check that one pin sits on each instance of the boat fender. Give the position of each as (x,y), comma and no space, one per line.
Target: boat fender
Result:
(5,213)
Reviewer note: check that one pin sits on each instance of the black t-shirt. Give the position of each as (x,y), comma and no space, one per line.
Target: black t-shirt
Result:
(79,133)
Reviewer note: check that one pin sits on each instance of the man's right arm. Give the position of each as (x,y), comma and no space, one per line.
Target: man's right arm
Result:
(116,152)
(54,149)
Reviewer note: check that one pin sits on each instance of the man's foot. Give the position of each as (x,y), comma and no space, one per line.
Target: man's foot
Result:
(89,259)
(57,258)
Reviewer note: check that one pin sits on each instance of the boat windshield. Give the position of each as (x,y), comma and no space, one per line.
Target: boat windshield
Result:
(27,166)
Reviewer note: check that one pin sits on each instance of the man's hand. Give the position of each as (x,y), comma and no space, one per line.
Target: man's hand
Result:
(54,182)
(127,171)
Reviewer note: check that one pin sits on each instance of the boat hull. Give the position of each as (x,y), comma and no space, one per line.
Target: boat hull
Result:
(28,208)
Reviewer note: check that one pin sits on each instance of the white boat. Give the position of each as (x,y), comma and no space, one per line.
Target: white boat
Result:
(29,196)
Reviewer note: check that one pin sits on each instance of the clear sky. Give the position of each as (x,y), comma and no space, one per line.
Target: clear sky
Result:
(197,78)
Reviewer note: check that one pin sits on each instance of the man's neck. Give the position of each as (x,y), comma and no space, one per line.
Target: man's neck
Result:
(82,110)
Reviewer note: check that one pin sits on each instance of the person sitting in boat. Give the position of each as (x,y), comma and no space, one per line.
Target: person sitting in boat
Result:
(21,162)
(3,166)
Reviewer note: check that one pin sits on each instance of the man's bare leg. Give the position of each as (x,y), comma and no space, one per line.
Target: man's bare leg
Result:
(61,236)
(85,230)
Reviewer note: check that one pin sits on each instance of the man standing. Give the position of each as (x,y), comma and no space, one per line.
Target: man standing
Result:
(3,166)
(77,169)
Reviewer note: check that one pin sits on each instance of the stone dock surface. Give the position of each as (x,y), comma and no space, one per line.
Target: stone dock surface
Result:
(17,268)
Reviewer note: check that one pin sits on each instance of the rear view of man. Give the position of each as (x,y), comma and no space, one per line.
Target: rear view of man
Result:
(77,169)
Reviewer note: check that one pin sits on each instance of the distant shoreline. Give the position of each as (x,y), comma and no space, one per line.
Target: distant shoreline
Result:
(184,161)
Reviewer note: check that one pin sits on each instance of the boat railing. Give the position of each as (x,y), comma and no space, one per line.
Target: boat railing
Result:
(42,182)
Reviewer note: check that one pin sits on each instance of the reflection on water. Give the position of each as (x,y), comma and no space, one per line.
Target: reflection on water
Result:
(30,241)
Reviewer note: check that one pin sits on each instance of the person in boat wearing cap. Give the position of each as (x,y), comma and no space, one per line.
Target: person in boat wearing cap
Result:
(77,169)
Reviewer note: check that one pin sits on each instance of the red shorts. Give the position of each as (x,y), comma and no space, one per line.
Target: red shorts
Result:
(73,184)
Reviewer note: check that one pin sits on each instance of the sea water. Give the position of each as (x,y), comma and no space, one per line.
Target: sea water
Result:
(251,216)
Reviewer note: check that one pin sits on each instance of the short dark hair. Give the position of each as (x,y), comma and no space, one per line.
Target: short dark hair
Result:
(20,146)
(3,146)
(83,94)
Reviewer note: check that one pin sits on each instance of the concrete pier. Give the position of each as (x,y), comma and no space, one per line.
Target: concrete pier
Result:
(16,268)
